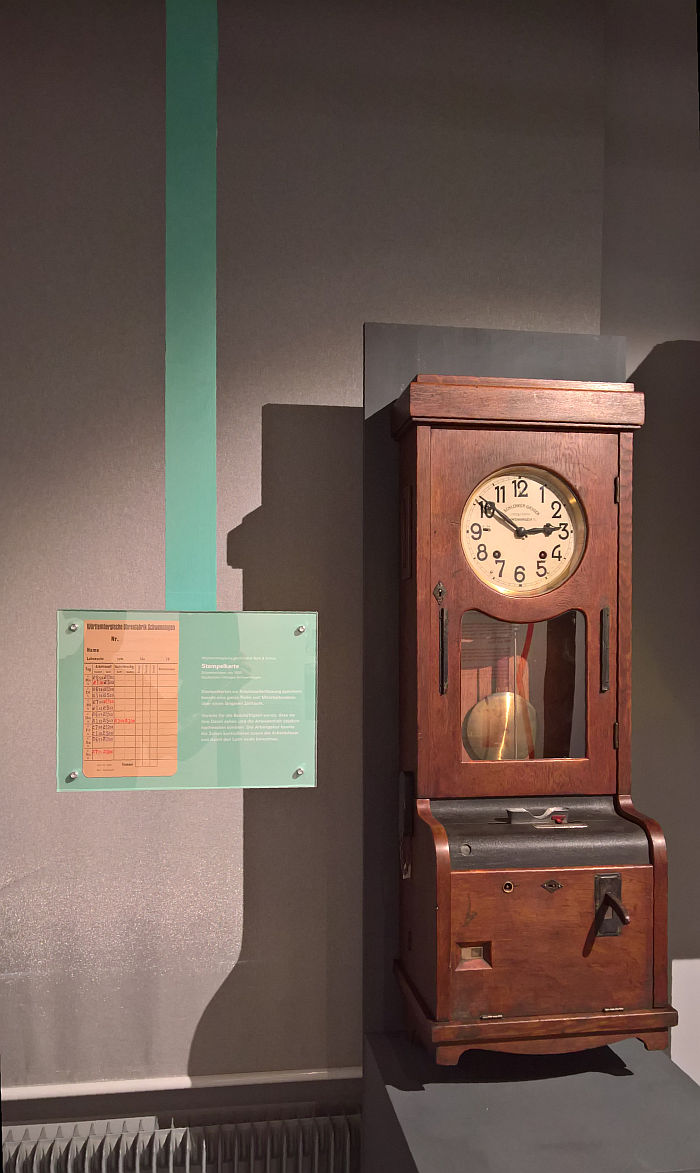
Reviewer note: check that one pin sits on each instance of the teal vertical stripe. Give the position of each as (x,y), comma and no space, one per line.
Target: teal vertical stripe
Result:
(190,305)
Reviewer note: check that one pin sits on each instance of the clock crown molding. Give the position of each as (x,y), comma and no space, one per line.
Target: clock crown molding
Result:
(513,403)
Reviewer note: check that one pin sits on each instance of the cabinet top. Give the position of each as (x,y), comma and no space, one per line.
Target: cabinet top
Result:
(546,403)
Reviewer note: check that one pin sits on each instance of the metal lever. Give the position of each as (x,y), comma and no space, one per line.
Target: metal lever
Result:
(520,814)
(617,906)
(608,896)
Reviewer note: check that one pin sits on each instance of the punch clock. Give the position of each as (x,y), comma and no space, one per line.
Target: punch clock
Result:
(533,893)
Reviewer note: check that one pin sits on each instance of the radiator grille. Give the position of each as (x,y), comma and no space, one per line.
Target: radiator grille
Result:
(319,1144)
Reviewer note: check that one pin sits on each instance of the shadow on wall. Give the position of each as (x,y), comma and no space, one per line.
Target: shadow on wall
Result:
(293,1000)
(666,626)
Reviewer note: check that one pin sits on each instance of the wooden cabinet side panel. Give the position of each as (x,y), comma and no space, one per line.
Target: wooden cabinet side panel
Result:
(624,634)
(420,951)
(408,698)
(657,851)
(425,606)
(415,601)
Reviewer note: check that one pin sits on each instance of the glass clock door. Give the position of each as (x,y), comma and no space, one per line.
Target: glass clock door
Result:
(523,688)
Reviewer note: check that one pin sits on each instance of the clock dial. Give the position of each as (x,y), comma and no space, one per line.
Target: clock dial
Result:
(523,531)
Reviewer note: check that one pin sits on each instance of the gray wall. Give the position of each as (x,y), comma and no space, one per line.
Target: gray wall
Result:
(383,161)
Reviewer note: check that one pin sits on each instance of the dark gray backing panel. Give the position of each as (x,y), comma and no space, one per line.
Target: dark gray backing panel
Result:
(395,353)
(616,1109)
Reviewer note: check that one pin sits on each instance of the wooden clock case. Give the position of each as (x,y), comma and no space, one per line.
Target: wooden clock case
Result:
(512,939)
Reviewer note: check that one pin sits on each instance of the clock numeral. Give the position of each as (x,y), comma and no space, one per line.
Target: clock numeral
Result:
(519,487)
(500,562)
(563,531)
(500,494)
(475,530)
(556,508)
(481,552)
(519,574)
(542,494)
(556,553)
(486,508)
(541,569)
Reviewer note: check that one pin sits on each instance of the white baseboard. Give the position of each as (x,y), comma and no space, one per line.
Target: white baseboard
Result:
(685,995)
(111,1087)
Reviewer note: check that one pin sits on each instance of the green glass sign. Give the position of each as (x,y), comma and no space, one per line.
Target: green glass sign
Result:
(183,700)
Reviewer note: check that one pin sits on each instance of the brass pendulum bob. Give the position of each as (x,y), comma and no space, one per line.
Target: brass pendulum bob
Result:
(502,725)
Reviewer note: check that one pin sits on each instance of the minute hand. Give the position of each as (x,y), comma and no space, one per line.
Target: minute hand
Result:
(517,529)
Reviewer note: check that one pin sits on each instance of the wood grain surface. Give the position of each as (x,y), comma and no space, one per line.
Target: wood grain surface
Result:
(545,955)
(549,404)
(537,1034)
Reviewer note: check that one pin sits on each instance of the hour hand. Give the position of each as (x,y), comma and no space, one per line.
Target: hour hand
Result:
(548,529)
(491,510)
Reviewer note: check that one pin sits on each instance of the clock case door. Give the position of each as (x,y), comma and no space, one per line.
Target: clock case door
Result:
(459,460)
(451,439)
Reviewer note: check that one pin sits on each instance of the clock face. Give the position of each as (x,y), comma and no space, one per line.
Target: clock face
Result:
(523,531)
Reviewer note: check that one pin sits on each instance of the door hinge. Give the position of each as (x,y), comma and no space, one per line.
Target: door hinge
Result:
(616,735)
(617,490)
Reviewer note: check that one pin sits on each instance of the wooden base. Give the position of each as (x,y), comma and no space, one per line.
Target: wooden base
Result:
(537,1035)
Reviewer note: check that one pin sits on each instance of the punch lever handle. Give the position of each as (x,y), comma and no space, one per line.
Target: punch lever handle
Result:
(617,906)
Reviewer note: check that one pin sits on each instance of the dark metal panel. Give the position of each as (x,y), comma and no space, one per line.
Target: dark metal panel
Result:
(592,834)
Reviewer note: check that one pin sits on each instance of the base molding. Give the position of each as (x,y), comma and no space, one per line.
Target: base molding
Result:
(534,1035)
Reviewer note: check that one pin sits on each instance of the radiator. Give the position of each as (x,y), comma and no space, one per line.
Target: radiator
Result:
(317,1144)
